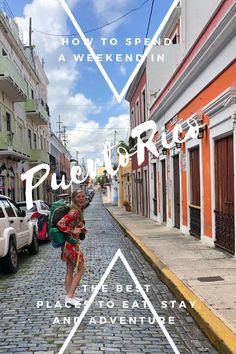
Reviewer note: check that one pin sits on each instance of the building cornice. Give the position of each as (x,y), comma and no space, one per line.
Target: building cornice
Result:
(222,34)
(169,134)
(220,103)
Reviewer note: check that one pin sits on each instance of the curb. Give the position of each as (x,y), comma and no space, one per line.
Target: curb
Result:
(219,334)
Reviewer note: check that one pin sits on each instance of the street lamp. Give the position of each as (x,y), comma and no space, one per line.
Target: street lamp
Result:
(164,151)
(178,145)
(201,131)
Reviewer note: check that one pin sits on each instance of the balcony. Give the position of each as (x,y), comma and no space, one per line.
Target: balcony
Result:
(37,111)
(13,146)
(39,156)
(11,82)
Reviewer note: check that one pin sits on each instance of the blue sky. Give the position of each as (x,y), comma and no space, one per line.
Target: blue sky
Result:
(77,91)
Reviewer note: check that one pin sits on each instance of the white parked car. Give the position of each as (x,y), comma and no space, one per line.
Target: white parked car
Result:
(16,232)
(38,206)
(38,213)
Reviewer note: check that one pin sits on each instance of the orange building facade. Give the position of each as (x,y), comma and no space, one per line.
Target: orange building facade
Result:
(194,182)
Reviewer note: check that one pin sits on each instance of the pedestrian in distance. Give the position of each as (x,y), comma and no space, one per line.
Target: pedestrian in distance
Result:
(73,224)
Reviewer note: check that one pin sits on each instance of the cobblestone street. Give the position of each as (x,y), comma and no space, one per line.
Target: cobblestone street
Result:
(27,328)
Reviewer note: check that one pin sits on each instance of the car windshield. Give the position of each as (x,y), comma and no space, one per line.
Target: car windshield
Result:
(23,207)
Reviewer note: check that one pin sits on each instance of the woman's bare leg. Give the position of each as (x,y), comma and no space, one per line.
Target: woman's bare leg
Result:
(69,276)
(76,280)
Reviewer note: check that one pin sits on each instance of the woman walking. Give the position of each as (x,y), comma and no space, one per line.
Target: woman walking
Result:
(73,225)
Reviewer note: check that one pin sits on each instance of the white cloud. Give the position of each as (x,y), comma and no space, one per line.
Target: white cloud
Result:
(88,137)
(49,16)
(74,108)
(123,70)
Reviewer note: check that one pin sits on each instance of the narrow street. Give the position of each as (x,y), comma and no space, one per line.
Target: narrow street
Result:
(33,322)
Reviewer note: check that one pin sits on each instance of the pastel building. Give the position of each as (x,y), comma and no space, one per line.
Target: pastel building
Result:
(192,185)
(137,97)
(24,113)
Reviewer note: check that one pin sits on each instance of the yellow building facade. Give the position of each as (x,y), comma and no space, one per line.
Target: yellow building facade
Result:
(124,184)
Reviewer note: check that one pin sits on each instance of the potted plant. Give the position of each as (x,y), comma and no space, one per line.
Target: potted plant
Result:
(127,205)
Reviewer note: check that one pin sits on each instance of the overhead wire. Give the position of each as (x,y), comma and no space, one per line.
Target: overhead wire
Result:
(100,128)
(149,21)
(96,28)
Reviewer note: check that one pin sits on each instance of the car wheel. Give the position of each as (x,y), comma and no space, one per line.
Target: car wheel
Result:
(10,261)
(34,246)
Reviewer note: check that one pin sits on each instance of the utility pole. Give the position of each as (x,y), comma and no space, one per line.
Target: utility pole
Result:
(30,42)
(60,124)
(30,32)
(64,136)
(115,134)
(77,157)
(113,153)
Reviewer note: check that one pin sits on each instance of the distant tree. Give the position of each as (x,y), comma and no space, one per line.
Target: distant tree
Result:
(121,145)
(103,178)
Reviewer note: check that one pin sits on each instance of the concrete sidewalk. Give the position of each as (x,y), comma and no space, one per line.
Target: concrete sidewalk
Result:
(181,262)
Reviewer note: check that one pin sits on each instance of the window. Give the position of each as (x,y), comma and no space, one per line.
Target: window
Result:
(144,105)
(2,185)
(8,208)
(8,118)
(44,206)
(41,142)
(27,86)
(15,208)
(175,34)
(12,189)
(137,113)
(175,39)
(132,119)
(195,177)
(20,133)
(32,93)
(30,138)
(2,215)
(4,52)
(22,206)
(35,141)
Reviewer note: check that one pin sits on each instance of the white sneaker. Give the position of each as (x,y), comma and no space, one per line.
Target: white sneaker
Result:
(77,299)
(69,301)
(78,302)
(75,302)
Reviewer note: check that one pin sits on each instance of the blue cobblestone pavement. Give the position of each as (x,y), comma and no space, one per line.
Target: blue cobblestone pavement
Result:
(34,318)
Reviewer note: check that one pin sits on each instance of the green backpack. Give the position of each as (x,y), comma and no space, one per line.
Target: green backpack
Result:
(57,211)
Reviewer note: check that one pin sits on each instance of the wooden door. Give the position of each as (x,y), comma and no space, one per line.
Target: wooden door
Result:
(224,192)
(195,193)
(164,214)
(133,193)
(139,181)
(176,191)
(145,193)
(155,188)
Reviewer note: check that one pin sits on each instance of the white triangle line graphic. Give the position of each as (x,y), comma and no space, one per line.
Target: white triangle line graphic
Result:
(118,96)
(120,255)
